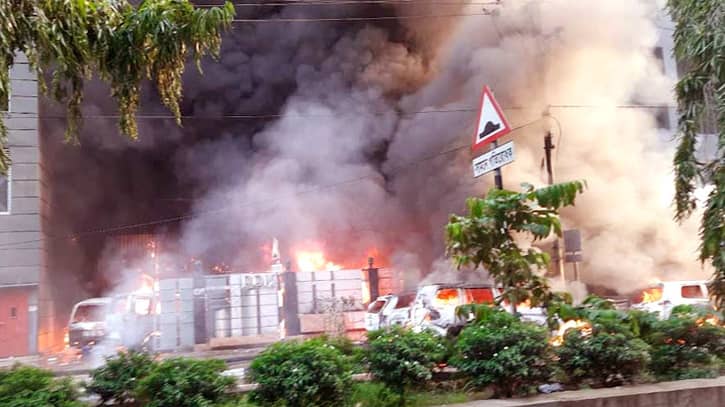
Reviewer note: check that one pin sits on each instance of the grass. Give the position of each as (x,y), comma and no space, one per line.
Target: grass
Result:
(370,394)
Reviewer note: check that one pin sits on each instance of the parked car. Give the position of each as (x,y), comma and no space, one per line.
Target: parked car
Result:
(661,298)
(88,322)
(389,310)
(435,306)
(124,320)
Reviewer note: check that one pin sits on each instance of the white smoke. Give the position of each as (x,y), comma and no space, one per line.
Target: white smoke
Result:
(354,163)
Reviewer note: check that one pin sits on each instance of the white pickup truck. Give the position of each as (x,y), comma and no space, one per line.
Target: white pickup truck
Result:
(388,310)
(661,298)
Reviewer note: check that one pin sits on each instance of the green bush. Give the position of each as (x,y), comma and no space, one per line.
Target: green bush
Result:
(310,373)
(686,347)
(183,382)
(501,351)
(24,386)
(402,359)
(355,354)
(116,381)
(603,358)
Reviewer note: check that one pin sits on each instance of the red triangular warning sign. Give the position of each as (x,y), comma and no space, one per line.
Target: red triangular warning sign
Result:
(491,123)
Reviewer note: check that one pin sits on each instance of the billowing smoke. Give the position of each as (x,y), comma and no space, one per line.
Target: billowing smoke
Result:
(361,143)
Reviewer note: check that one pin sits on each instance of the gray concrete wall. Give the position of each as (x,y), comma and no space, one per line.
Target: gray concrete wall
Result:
(684,393)
(22,250)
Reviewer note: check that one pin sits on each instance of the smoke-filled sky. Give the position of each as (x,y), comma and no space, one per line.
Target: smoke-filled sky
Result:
(358,153)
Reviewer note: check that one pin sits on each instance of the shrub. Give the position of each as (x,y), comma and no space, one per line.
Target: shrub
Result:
(685,346)
(116,381)
(310,373)
(24,386)
(401,358)
(354,354)
(604,358)
(502,351)
(182,382)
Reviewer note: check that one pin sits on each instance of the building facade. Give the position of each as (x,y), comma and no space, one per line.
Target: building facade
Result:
(26,308)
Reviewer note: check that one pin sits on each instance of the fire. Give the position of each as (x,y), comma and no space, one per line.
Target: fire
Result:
(582,326)
(652,294)
(314,260)
(710,319)
(447,298)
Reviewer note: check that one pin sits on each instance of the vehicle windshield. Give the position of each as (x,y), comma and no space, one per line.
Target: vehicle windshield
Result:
(89,313)
(446,297)
(376,306)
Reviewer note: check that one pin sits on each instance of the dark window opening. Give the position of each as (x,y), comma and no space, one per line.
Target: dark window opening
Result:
(4,194)
(660,57)
(13,312)
(692,291)
(479,295)
(405,301)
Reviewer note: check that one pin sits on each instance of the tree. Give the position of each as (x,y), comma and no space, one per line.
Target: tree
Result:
(121,43)
(700,43)
(485,236)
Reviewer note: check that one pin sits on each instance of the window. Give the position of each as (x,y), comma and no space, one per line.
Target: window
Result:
(692,291)
(5,193)
(446,297)
(13,312)
(5,102)
(376,306)
(479,295)
(405,300)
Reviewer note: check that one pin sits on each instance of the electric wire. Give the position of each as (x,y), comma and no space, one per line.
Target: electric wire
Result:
(174,219)
(380,113)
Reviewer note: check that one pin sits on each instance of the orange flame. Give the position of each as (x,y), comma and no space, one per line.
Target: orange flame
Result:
(710,319)
(447,297)
(314,260)
(583,326)
(652,295)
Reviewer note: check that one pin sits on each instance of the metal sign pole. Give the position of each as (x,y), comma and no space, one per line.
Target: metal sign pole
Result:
(497,178)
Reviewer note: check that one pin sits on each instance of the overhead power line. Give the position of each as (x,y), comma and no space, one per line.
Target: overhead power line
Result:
(337,114)
(225,208)
(348,19)
(311,3)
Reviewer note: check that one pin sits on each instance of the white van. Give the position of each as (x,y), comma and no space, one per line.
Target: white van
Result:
(389,310)
(435,306)
(88,322)
(125,320)
(662,297)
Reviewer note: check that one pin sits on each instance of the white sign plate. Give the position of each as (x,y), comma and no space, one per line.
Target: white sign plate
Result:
(496,158)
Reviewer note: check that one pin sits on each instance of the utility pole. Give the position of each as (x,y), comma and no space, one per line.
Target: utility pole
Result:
(548,147)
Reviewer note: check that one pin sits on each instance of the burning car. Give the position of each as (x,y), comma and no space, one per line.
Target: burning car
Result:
(435,306)
(88,322)
(389,310)
(124,320)
(661,298)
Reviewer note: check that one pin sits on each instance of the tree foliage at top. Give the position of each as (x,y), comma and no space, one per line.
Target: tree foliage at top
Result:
(700,42)
(123,44)
(486,236)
